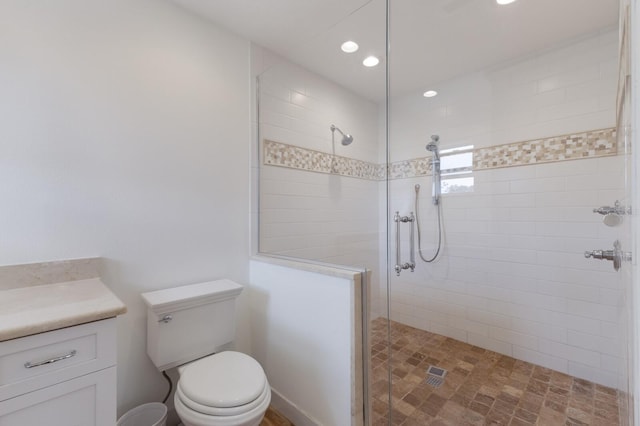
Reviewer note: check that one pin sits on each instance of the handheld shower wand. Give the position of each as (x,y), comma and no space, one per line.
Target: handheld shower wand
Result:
(435,168)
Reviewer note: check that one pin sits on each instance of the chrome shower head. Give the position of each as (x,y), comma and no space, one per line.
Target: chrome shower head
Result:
(433,145)
(346,138)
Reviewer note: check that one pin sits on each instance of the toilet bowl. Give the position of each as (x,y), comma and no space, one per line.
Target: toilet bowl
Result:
(187,327)
(225,389)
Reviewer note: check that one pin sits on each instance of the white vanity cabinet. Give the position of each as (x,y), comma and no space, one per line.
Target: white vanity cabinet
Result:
(64,377)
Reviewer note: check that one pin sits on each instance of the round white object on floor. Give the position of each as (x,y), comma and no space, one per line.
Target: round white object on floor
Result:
(151,414)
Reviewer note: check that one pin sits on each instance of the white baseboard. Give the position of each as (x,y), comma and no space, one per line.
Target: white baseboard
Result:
(292,412)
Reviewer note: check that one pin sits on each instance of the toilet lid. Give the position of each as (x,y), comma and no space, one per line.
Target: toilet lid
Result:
(226,379)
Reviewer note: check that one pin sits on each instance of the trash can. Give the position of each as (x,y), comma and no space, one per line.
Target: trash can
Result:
(151,414)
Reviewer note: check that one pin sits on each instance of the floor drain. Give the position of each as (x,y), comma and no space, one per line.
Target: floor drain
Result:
(435,376)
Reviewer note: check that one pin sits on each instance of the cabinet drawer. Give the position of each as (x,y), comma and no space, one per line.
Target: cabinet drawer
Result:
(89,400)
(37,361)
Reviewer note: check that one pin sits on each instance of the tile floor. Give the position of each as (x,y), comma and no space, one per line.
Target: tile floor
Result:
(481,388)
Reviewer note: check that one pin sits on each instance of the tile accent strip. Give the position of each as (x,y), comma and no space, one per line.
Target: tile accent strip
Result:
(294,157)
(594,143)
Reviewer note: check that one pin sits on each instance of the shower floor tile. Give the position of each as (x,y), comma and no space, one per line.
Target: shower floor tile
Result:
(481,387)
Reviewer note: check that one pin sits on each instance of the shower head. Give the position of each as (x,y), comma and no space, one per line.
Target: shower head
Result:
(433,145)
(346,138)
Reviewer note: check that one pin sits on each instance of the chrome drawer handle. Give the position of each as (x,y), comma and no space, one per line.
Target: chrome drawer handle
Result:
(50,361)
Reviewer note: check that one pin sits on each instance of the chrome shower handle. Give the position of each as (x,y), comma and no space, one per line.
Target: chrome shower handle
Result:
(616,209)
(616,255)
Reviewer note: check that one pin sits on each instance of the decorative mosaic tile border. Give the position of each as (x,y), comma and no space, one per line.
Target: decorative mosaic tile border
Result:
(594,143)
(294,157)
(414,167)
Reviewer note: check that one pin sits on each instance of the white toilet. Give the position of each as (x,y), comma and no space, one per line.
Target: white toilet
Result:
(186,326)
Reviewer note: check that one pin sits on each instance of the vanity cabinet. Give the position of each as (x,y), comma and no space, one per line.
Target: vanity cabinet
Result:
(65,377)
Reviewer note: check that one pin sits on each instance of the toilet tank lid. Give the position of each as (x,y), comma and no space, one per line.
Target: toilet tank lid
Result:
(187,296)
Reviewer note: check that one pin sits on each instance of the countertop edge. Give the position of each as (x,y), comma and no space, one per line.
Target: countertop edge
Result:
(81,302)
(44,327)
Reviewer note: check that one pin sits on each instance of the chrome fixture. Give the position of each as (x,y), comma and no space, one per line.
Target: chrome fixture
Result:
(346,138)
(435,167)
(166,319)
(412,261)
(617,209)
(439,207)
(616,255)
(613,215)
(50,360)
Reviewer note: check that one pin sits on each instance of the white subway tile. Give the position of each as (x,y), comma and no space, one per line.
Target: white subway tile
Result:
(612,364)
(454,333)
(594,343)
(520,339)
(583,356)
(491,344)
(596,375)
(556,333)
(592,310)
(542,359)
(485,317)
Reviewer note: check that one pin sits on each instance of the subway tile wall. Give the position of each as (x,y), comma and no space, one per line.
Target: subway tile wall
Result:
(513,277)
(325,215)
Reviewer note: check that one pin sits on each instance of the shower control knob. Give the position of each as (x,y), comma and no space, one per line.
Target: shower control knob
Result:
(616,255)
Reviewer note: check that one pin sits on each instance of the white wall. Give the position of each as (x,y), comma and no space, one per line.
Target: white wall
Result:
(571,88)
(125,134)
(513,277)
(303,336)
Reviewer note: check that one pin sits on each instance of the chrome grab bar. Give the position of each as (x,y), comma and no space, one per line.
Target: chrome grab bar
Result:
(50,361)
(412,260)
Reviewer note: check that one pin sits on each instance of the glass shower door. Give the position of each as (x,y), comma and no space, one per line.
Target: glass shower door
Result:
(496,313)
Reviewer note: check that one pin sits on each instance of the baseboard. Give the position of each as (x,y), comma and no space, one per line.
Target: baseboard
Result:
(291,411)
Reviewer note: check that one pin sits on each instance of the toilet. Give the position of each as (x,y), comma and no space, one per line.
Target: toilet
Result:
(186,328)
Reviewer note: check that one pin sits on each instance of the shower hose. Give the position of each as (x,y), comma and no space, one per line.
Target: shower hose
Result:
(439,208)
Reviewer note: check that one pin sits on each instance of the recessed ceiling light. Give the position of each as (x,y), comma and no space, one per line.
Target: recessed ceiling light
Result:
(349,46)
(429,93)
(370,61)
(504,1)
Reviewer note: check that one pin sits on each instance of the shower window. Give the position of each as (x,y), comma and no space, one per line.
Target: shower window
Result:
(456,168)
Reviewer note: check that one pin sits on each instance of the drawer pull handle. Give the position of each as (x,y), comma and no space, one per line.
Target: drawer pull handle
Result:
(50,361)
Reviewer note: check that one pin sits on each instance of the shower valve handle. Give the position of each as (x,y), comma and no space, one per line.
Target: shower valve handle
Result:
(616,255)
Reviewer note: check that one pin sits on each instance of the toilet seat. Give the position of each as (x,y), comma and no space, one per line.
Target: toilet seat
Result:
(223,411)
(228,386)
(223,380)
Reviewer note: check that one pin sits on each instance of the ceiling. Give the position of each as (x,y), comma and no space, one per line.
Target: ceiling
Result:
(430,41)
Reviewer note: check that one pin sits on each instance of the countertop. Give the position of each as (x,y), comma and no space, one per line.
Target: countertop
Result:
(37,309)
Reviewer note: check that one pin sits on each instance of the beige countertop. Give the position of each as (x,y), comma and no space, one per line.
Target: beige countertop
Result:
(36,309)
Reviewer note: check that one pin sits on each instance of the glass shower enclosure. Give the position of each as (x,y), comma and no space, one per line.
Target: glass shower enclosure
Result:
(480,173)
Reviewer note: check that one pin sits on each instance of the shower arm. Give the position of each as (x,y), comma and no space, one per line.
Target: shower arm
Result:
(334,128)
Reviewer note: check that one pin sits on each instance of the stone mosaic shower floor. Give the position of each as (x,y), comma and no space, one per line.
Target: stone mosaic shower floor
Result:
(481,388)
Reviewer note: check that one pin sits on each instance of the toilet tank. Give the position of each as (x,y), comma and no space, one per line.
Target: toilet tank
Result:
(188,322)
